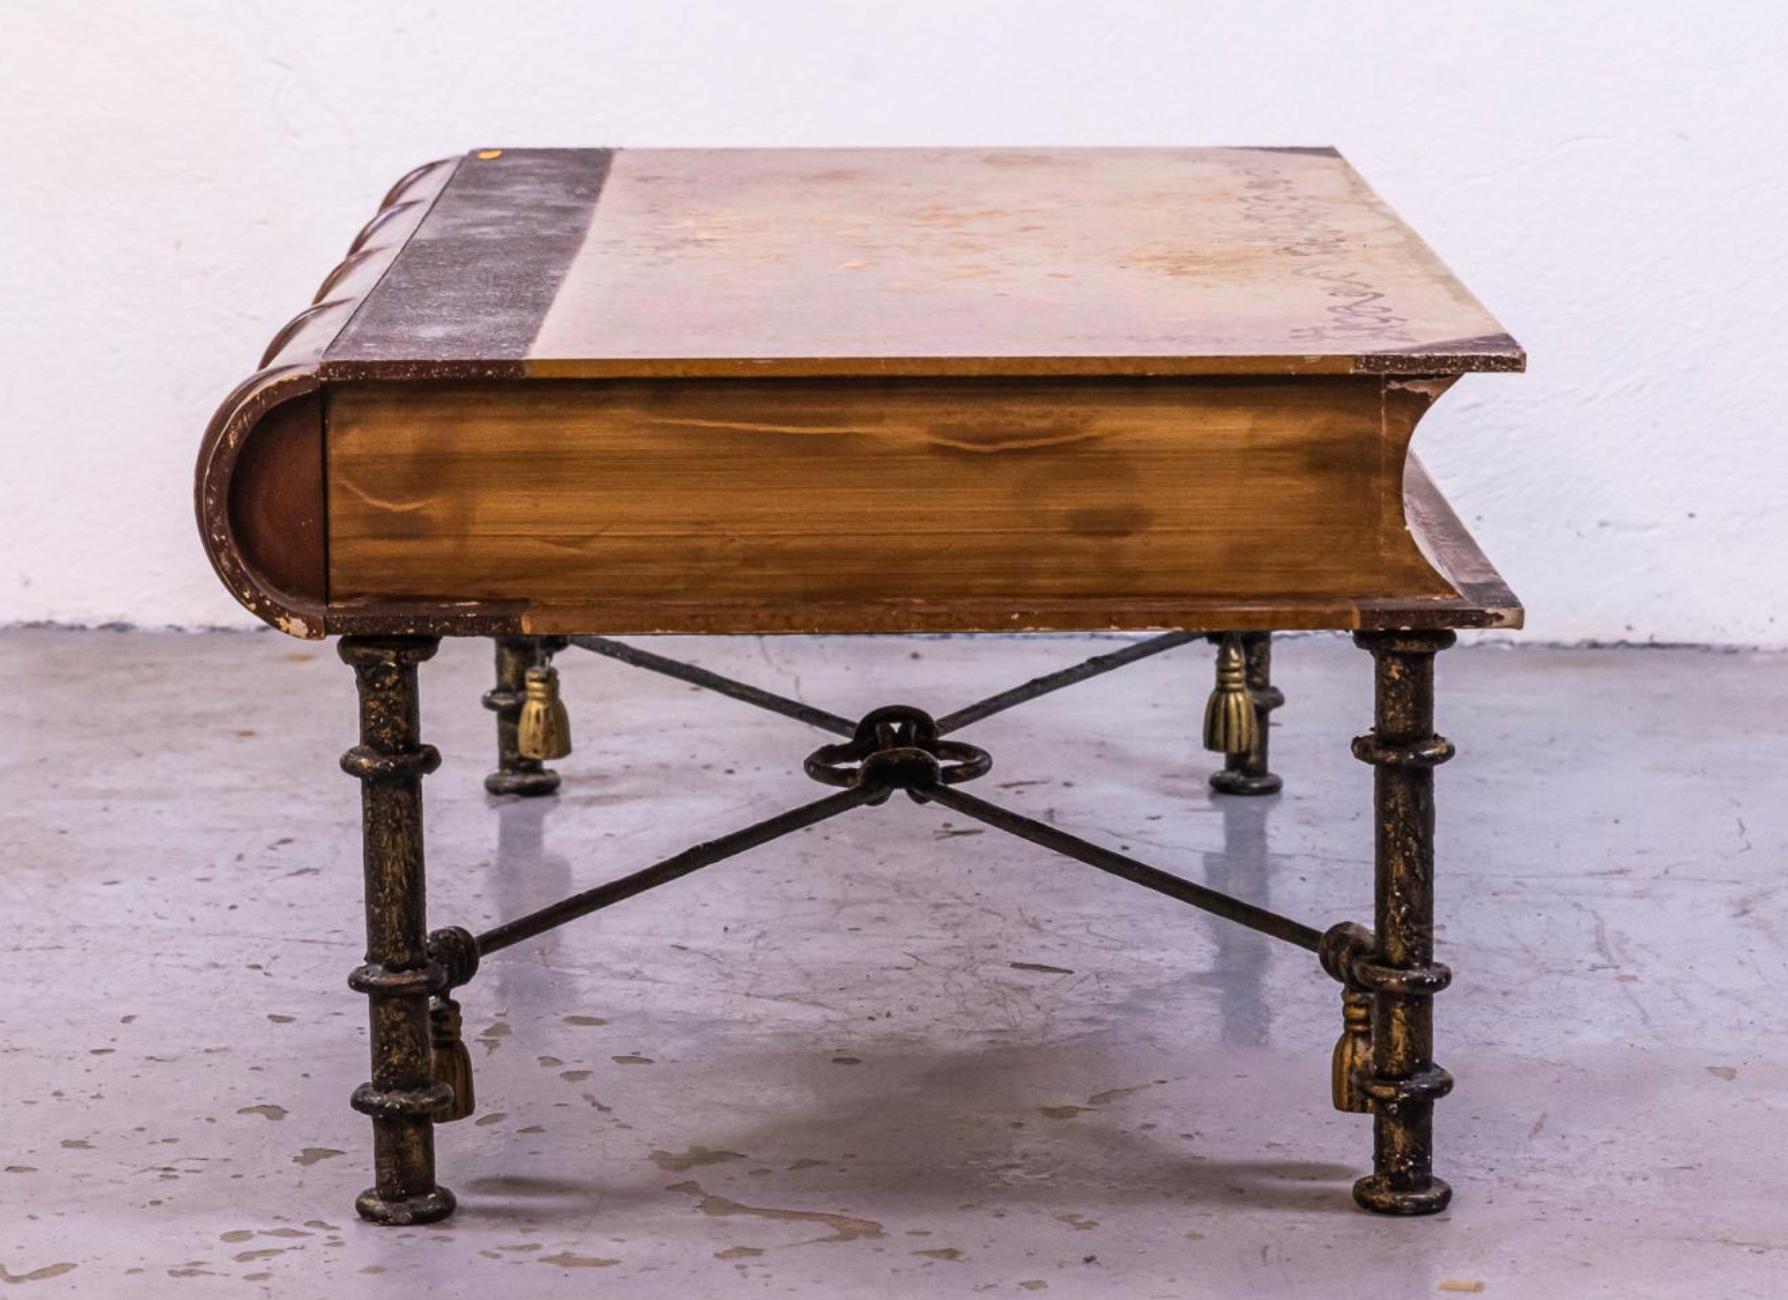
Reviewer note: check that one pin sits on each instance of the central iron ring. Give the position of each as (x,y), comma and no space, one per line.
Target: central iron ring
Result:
(897,747)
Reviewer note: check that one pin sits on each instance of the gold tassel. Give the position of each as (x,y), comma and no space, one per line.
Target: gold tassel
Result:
(452,1062)
(544,729)
(1230,725)
(1353,1052)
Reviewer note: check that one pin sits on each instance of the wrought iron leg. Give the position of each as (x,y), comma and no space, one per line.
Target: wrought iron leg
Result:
(515,774)
(1401,972)
(1246,772)
(398,976)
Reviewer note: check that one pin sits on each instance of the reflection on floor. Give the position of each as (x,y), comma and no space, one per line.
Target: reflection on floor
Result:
(894,1055)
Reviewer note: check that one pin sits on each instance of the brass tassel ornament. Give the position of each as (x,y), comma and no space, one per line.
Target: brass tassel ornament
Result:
(544,729)
(1230,723)
(452,1061)
(1353,1052)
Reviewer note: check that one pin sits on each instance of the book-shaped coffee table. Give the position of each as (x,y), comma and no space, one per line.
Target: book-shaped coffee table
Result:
(552,397)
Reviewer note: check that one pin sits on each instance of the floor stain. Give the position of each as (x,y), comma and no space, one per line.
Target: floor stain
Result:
(311,1155)
(844,1227)
(1726,1072)
(583,1020)
(43,1274)
(566,1259)
(1118,1094)
(695,1156)
(574,1076)
(1461,1285)
(1039,968)
(806,1162)
(1063,1112)
(266,1108)
(948,1252)
(1078,1222)
(632,1060)
(738,1252)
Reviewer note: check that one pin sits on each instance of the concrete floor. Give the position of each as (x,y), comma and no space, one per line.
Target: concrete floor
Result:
(892,1056)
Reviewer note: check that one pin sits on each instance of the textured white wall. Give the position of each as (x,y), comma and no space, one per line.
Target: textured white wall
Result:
(1609,178)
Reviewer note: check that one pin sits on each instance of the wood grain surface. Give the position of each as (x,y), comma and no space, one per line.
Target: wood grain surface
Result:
(776,498)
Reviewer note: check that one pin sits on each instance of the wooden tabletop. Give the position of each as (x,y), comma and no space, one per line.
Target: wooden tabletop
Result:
(836,262)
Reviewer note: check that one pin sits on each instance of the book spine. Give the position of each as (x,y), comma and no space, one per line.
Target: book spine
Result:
(279,574)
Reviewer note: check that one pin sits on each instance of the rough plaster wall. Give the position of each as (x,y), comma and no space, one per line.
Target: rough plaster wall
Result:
(1609,178)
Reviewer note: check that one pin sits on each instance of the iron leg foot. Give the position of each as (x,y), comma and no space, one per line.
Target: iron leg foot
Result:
(398,976)
(1229,781)
(1403,1082)
(529,785)
(1381,1194)
(430,1207)
(1246,773)
(528,777)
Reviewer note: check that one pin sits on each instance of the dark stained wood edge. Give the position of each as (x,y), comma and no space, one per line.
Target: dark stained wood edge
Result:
(980,367)
(1311,150)
(492,618)
(427,618)
(261,569)
(1489,352)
